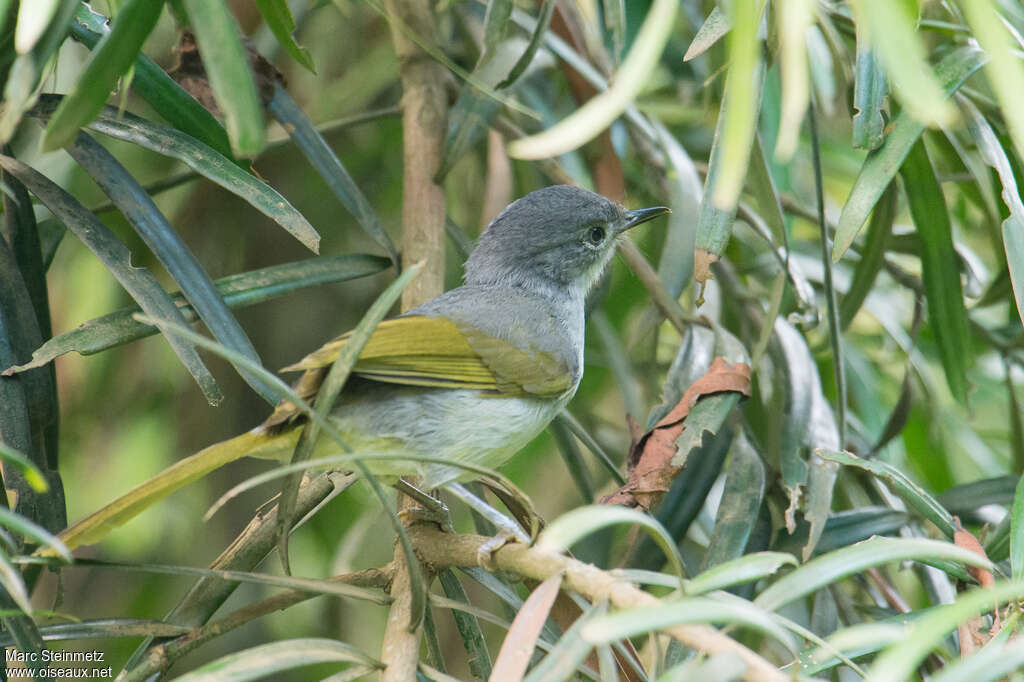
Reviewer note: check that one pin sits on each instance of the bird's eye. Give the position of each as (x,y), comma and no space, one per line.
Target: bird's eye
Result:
(596,235)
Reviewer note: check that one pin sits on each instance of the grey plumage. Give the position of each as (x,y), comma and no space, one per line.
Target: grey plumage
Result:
(525,284)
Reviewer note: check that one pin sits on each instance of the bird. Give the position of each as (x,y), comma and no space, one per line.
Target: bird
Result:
(468,377)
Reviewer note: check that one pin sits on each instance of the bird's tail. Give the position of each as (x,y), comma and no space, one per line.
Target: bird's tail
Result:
(255,443)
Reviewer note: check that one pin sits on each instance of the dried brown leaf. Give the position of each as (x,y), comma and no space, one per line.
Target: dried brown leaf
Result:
(651,471)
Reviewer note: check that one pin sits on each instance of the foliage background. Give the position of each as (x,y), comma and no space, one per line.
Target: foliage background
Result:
(128,413)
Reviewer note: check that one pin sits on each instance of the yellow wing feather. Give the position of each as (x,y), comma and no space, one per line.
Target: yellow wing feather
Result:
(416,350)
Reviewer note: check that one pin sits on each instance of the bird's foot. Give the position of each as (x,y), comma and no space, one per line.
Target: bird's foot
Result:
(428,509)
(485,553)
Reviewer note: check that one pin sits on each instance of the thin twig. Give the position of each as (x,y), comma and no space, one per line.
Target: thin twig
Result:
(161,657)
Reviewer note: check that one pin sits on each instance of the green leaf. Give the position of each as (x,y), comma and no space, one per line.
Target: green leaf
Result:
(600,111)
(159,90)
(914,495)
(201,158)
(740,104)
(28,469)
(643,619)
(495,24)
(25,74)
(279,20)
(872,256)
(478,658)
(34,532)
(162,239)
(12,583)
(793,19)
(946,312)
(311,585)
(573,526)
(868,95)
(110,59)
(882,165)
(993,154)
(892,32)
(227,67)
(138,282)
(105,628)
(323,159)
(244,289)
(899,661)
(737,571)
(966,497)
(268,660)
(710,32)
(847,561)
(1004,70)
(799,371)
(1017,532)
(740,504)
(33,19)
(997,660)
(524,61)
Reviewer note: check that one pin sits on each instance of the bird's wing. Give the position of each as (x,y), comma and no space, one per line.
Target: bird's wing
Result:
(416,350)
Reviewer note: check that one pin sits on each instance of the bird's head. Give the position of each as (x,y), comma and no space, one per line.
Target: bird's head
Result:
(557,237)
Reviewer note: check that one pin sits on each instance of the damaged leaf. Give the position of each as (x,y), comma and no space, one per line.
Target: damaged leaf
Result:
(656,458)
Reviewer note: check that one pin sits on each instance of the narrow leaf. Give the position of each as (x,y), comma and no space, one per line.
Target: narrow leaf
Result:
(536,38)
(847,561)
(152,84)
(227,67)
(115,256)
(946,312)
(111,58)
(269,660)
(596,114)
(710,32)
(517,649)
(872,257)
(868,94)
(327,164)
(891,29)
(162,239)
(1017,532)
(202,159)
(882,165)
(911,493)
(279,20)
(244,289)
(740,103)
(573,526)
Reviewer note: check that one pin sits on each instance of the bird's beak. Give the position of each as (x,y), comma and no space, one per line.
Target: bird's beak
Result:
(642,215)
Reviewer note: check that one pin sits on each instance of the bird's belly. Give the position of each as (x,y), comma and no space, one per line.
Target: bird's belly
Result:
(452,425)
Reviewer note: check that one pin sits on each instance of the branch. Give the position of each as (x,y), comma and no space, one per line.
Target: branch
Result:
(424,113)
(443,550)
(161,657)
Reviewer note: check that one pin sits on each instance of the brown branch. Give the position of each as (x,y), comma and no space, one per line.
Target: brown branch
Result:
(161,657)
(424,113)
(443,550)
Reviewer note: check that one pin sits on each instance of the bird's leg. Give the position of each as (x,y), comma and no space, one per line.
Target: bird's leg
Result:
(430,508)
(508,529)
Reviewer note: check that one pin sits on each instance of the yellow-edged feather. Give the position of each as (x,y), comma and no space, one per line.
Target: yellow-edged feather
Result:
(416,350)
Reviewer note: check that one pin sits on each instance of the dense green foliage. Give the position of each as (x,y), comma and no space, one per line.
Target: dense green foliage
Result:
(846,223)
